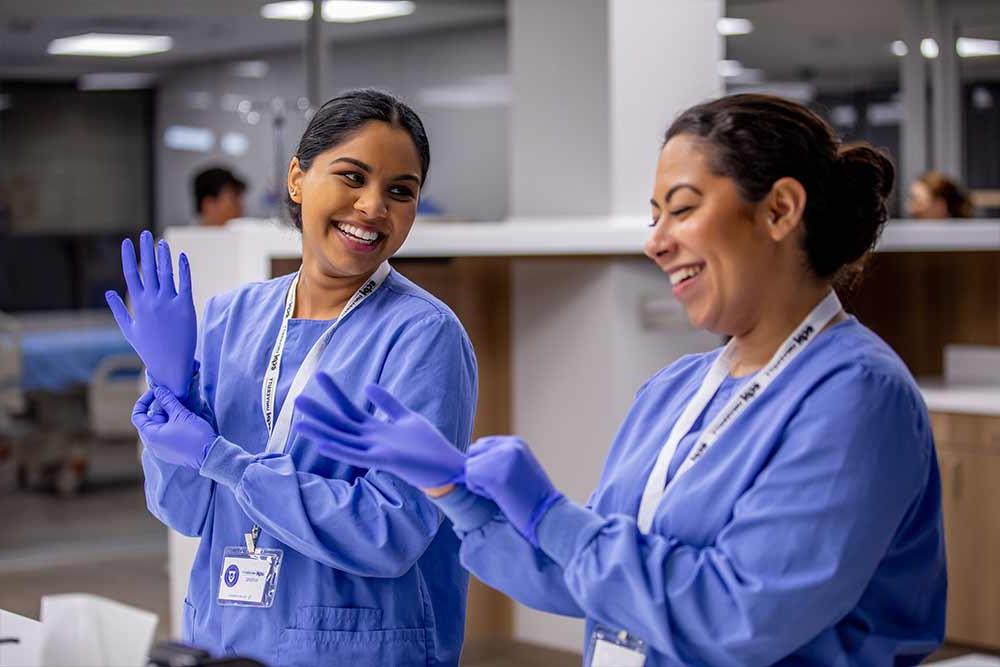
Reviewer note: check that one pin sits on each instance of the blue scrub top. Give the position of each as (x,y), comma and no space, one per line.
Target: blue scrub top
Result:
(809,534)
(368,578)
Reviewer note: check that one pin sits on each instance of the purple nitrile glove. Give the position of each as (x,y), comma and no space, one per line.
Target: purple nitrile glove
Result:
(405,444)
(163,327)
(173,434)
(503,469)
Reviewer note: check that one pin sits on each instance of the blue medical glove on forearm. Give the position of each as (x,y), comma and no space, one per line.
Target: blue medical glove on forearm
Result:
(504,469)
(162,328)
(173,433)
(406,444)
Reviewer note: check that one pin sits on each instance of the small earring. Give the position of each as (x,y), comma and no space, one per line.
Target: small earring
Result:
(773,220)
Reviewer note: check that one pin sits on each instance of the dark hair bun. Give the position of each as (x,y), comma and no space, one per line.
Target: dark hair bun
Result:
(758,139)
(862,182)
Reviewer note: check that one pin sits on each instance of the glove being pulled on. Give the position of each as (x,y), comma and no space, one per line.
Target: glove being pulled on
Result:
(173,434)
(503,469)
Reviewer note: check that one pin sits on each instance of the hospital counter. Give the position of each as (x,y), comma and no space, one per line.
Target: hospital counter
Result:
(965,415)
(568,318)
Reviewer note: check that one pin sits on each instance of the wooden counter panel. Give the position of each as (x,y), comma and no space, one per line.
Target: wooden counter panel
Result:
(966,431)
(921,301)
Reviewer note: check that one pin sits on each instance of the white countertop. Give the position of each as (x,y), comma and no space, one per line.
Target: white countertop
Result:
(627,235)
(601,235)
(964,399)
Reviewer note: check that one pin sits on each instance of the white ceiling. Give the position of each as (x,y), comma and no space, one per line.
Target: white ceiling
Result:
(832,43)
(202,30)
(844,43)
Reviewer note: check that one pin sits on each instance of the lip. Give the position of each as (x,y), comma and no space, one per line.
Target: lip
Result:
(357,246)
(683,290)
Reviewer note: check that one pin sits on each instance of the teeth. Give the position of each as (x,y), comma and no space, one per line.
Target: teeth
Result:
(680,275)
(358,233)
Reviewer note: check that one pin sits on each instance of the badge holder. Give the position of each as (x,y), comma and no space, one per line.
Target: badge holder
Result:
(249,575)
(616,649)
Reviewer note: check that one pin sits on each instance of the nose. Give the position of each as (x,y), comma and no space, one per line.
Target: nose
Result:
(660,244)
(371,204)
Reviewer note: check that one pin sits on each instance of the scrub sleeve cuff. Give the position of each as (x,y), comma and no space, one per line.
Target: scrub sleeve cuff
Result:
(225,462)
(566,529)
(466,510)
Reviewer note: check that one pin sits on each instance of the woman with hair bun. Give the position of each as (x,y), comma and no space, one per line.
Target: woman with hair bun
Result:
(775,501)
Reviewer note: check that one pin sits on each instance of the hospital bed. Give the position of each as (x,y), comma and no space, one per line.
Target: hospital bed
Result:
(68,380)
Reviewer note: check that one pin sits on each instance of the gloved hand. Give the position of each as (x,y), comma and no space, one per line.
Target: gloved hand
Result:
(406,445)
(503,469)
(163,328)
(173,434)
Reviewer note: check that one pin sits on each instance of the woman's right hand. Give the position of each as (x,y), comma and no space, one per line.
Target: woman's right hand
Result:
(163,327)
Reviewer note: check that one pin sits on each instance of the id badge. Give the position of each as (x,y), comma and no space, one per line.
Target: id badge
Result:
(249,578)
(616,649)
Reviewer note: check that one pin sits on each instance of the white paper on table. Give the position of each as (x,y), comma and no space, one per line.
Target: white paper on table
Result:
(28,651)
(80,630)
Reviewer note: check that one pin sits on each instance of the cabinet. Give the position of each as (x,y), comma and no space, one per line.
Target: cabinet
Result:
(968,449)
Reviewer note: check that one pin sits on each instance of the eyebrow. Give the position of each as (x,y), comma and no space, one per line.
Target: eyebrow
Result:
(365,167)
(680,186)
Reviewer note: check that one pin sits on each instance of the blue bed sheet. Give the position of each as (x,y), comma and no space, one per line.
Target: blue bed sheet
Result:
(57,360)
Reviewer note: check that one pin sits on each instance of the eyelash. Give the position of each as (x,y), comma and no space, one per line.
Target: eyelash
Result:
(676,212)
(356,179)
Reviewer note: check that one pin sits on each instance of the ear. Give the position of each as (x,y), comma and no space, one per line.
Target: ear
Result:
(784,207)
(295,177)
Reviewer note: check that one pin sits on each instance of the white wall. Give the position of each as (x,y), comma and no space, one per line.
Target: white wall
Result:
(559,113)
(456,80)
(663,59)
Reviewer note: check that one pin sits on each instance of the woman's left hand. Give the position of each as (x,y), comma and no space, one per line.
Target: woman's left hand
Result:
(174,434)
(504,469)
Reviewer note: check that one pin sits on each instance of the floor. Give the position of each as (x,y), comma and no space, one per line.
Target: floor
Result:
(103,541)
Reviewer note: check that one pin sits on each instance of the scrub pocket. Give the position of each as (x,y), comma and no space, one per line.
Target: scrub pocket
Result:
(349,636)
(187,630)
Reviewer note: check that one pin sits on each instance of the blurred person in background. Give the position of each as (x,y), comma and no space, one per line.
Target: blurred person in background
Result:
(935,196)
(218,196)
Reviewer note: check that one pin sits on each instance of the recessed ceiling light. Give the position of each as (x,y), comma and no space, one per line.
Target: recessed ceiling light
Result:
(110,45)
(234,143)
(929,47)
(968,47)
(188,138)
(338,11)
(732,26)
(251,69)
(899,48)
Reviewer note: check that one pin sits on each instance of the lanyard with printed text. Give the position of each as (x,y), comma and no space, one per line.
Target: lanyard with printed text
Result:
(804,334)
(278,431)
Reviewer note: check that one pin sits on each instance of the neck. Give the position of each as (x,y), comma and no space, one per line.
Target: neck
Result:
(320,296)
(780,316)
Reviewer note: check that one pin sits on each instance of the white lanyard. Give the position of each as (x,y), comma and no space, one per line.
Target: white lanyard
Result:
(279,431)
(804,334)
